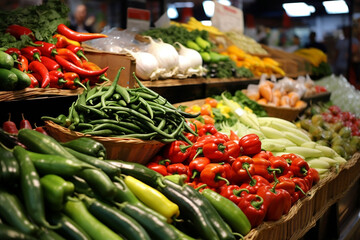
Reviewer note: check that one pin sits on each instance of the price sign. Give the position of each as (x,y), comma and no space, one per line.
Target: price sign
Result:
(227,18)
(138,19)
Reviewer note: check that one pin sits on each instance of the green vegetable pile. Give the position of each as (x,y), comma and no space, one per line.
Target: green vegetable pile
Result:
(41,19)
(116,111)
(226,69)
(174,34)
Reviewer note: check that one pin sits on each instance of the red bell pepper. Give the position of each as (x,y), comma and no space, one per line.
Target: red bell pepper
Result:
(31,53)
(177,151)
(300,186)
(262,168)
(289,157)
(34,81)
(234,136)
(50,64)
(72,81)
(70,56)
(17,31)
(288,185)
(79,51)
(24,123)
(233,193)
(250,144)
(244,168)
(222,135)
(312,177)
(230,173)
(178,168)
(299,167)
(47,49)
(23,64)
(263,154)
(232,149)
(38,67)
(160,168)
(214,175)
(215,152)
(56,79)
(255,183)
(197,165)
(277,201)
(68,66)
(63,41)
(254,208)
(279,165)
(197,148)
(14,53)
(207,129)
(78,36)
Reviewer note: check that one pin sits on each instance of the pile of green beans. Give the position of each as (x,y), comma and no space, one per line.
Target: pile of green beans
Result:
(116,111)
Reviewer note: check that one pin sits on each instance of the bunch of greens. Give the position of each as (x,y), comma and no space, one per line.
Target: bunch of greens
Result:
(41,19)
(227,69)
(174,34)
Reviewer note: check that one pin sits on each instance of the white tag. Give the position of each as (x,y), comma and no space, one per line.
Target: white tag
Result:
(138,19)
(163,21)
(228,18)
(239,112)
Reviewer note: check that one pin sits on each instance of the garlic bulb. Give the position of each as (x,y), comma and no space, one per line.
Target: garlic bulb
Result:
(165,54)
(193,56)
(147,67)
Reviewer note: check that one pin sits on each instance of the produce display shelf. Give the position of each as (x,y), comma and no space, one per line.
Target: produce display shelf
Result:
(29,93)
(304,214)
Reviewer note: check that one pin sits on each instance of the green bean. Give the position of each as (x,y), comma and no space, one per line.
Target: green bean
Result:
(123,92)
(142,111)
(134,106)
(182,136)
(122,103)
(116,96)
(134,98)
(147,106)
(103,132)
(131,111)
(111,89)
(162,124)
(154,128)
(162,107)
(69,118)
(83,126)
(114,127)
(148,96)
(144,136)
(93,110)
(178,130)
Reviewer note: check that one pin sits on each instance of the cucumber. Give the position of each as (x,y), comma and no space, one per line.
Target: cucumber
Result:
(24,80)
(6,61)
(8,80)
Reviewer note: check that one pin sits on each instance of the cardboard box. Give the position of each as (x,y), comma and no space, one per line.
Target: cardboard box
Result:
(115,61)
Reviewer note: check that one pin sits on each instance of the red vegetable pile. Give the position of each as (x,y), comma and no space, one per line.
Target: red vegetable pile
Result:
(263,186)
(60,65)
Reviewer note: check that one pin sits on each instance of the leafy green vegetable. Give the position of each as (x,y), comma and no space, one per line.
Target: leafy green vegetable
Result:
(41,19)
(226,69)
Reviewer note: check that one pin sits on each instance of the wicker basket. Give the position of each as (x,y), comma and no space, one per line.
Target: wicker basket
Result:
(286,113)
(127,149)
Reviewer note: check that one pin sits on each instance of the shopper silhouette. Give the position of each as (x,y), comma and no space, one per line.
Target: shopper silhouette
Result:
(314,44)
(81,22)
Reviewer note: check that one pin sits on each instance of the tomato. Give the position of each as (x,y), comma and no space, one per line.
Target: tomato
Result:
(335,110)
(211,101)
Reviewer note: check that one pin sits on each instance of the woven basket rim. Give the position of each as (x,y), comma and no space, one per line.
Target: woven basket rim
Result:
(284,108)
(67,131)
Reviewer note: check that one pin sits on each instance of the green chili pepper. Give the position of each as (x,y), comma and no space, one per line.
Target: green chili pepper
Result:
(31,188)
(9,167)
(56,190)
(87,146)
(8,232)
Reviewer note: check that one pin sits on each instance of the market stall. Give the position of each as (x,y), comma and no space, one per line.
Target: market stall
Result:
(173,133)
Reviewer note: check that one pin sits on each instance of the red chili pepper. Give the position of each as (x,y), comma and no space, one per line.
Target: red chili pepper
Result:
(23,64)
(14,52)
(177,151)
(34,81)
(50,64)
(178,168)
(312,177)
(277,201)
(207,129)
(263,168)
(70,56)
(56,79)
(254,208)
(9,126)
(197,165)
(92,66)
(244,168)
(255,182)
(63,41)
(300,186)
(214,175)
(263,154)
(158,168)
(72,81)
(299,167)
(234,136)
(31,53)
(279,165)
(25,123)
(79,51)
(250,144)
(77,36)
(215,152)
(68,66)
(38,67)
(17,31)
(233,193)
(47,49)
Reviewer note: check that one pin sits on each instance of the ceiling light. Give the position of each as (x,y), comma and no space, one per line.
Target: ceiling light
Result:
(336,7)
(172,12)
(209,6)
(298,9)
